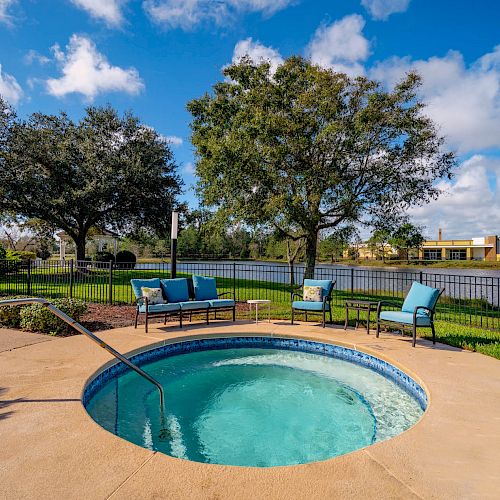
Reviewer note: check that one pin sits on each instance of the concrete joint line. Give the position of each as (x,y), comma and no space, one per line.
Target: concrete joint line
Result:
(112,494)
(393,475)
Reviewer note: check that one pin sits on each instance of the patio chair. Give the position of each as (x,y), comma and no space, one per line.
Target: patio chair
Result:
(417,311)
(205,288)
(322,306)
(152,310)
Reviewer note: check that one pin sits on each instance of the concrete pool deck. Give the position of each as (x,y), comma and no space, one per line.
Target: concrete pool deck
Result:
(51,448)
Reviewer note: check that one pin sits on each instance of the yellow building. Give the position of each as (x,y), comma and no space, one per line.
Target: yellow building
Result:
(485,248)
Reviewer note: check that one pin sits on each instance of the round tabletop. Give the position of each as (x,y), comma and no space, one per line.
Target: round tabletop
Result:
(258,301)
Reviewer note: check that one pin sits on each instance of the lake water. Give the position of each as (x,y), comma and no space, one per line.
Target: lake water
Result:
(458,283)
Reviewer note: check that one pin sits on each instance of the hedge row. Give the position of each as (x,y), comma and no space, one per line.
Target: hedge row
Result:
(37,318)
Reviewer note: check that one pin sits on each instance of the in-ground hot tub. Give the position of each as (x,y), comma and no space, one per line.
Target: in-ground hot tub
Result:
(256,401)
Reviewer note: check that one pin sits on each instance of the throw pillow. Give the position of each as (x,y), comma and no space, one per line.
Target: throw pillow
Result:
(313,293)
(153,295)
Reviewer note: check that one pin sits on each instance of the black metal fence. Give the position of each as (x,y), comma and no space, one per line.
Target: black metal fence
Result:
(468,299)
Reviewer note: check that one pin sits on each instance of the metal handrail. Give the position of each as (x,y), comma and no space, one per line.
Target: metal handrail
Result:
(79,328)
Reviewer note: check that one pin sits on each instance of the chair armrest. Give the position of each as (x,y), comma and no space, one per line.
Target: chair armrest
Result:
(385,303)
(142,300)
(431,311)
(295,294)
(225,293)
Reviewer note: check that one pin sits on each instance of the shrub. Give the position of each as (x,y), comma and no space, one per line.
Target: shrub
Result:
(10,316)
(125,260)
(102,259)
(3,253)
(37,318)
(20,255)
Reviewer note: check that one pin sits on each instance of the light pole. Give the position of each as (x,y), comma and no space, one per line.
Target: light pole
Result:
(173,237)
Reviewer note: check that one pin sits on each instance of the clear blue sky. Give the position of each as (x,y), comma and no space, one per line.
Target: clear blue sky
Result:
(153,56)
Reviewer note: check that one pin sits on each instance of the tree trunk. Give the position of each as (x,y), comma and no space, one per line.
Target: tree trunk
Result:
(80,247)
(311,246)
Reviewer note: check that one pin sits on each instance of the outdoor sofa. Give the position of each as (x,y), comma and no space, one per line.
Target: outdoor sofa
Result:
(417,311)
(180,296)
(321,306)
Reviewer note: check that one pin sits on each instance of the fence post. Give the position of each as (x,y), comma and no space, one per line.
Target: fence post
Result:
(28,279)
(352,282)
(110,287)
(71,278)
(234,280)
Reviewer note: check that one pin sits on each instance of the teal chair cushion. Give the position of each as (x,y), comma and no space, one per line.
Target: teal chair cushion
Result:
(137,284)
(204,288)
(405,318)
(176,290)
(160,308)
(192,305)
(309,306)
(221,303)
(420,295)
(325,284)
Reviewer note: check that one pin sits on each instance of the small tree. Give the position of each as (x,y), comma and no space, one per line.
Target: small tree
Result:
(336,243)
(406,238)
(379,243)
(306,149)
(106,170)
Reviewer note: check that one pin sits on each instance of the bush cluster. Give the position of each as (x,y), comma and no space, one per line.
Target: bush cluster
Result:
(10,316)
(20,255)
(37,318)
(125,260)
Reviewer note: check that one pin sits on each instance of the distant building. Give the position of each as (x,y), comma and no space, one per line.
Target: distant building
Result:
(364,251)
(484,248)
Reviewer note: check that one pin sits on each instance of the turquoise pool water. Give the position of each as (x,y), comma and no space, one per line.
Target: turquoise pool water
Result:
(255,407)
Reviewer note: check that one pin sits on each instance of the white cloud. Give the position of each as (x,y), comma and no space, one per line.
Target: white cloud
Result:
(382,9)
(257,52)
(189,169)
(463,100)
(469,205)
(86,71)
(5,5)
(173,140)
(340,46)
(186,14)
(34,56)
(9,88)
(109,11)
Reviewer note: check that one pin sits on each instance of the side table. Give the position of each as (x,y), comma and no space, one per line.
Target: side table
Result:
(360,305)
(256,302)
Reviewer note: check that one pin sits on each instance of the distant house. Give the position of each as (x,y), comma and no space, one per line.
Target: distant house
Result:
(483,248)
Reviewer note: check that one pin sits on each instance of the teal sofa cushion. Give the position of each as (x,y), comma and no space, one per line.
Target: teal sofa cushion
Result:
(160,308)
(192,305)
(325,284)
(309,306)
(221,303)
(204,288)
(137,284)
(405,317)
(175,290)
(420,295)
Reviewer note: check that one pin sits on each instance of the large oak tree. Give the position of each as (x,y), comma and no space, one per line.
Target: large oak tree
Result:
(306,149)
(106,170)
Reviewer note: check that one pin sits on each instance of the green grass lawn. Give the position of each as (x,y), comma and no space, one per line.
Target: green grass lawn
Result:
(458,322)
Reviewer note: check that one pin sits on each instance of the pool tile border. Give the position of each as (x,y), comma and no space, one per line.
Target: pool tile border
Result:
(382,367)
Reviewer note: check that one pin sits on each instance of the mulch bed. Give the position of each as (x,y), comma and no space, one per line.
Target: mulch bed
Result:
(104,317)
